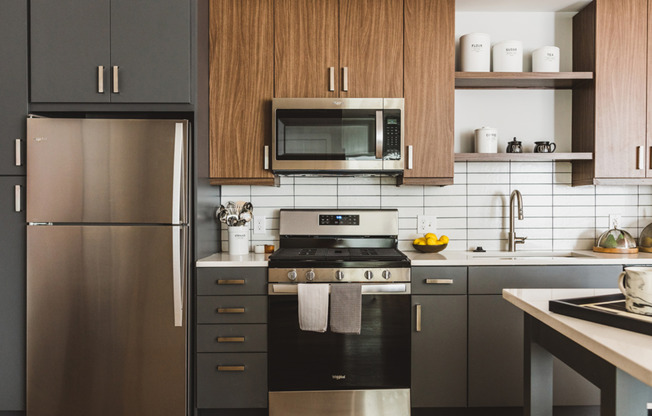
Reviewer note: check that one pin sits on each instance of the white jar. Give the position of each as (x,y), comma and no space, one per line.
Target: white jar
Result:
(508,56)
(475,53)
(486,140)
(545,59)
(238,240)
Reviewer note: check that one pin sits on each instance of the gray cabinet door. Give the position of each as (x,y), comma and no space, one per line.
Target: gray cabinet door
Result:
(439,351)
(150,45)
(69,40)
(12,297)
(13,73)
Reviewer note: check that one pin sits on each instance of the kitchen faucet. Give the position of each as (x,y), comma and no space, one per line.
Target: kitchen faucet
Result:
(513,239)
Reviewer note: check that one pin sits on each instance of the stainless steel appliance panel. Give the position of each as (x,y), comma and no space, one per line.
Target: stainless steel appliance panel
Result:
(389,402)
(373,222)
(101,170)
(105,323)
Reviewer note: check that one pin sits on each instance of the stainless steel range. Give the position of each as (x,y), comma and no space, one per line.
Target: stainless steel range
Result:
(329,373)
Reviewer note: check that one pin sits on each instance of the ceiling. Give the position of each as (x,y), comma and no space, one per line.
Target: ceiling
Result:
(520,5)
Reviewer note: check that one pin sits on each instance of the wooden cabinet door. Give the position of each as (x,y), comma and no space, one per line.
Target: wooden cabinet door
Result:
(150,44)
(371,48)
(429,42)
(69,40)
(241,87)
(306,50)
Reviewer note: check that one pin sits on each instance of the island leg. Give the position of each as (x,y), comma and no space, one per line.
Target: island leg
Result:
(623,395)
(537,376)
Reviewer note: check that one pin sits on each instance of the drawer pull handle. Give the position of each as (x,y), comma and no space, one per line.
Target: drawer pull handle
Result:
(230,368)
(418,317)
(439,281)
(231,282)
(230,310)
(230,339)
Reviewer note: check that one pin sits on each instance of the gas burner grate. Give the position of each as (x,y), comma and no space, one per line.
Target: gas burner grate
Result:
(368,252)
(308,252)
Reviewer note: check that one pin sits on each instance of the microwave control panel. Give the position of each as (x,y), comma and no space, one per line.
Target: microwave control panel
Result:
(392,136)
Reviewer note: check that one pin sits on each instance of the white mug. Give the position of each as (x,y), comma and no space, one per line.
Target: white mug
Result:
(636,285)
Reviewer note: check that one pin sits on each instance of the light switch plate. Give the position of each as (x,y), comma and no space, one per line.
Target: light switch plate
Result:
(426,224)
(259,224)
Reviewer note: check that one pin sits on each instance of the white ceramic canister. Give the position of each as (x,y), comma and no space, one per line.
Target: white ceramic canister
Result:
(239,240)
(475,49)
(508,56)
(545,59)
(486,140)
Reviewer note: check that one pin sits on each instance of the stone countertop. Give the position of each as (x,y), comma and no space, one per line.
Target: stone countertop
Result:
(628,350)
(464,258)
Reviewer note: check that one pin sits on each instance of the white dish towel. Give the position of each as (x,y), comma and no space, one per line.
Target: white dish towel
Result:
(313,307)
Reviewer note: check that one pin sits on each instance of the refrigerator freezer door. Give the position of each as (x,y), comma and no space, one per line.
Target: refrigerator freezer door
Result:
(102,334)
(107,170)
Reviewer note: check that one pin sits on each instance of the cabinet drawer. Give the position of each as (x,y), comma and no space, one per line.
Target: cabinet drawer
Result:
(236,380)
(439,280)
(231,309)
(232,338)
(231,280)
(492,279)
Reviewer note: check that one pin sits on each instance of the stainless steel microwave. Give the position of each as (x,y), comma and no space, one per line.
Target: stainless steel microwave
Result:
(330,135)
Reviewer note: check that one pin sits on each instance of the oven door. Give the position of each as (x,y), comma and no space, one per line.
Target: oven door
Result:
(377,358)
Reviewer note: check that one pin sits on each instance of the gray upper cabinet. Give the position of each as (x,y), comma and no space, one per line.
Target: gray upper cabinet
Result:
(101,51)
(13,73)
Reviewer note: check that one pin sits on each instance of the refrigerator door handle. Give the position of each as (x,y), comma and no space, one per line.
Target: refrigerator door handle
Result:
(179,272)
(179,176)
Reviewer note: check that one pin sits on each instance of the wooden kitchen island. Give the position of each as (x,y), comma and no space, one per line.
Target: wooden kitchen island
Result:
(617,361)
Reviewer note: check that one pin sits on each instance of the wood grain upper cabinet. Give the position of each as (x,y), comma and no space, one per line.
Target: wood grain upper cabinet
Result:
(339,48)
(610,37)
(241,89)
(429,42)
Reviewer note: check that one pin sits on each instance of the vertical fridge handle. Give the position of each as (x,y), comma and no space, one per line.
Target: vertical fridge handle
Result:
(179,271)
(179,178)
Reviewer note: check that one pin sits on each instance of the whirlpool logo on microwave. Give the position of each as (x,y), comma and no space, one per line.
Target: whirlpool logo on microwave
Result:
(338,377)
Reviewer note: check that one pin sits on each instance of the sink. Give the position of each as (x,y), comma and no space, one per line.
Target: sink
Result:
(513,255)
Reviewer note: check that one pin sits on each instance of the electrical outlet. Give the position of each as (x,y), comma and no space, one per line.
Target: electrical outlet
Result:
(259,224)
(426,224)
(614,220)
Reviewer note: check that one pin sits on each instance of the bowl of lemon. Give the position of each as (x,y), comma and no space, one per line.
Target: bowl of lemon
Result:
(430,243)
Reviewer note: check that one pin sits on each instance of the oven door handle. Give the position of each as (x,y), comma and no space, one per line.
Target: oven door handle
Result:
(391,288)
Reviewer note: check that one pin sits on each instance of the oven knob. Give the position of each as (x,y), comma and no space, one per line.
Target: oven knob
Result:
(310,275)
(368,275)
(339,275)
(387,274)
(292,275)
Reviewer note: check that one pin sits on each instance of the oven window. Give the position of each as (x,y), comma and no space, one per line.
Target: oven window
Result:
(377,358)
(325,134)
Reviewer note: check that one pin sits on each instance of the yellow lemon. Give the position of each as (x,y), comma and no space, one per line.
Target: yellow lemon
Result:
(431,235)
(438,243)
(431,241)
(419,241)
(443,239)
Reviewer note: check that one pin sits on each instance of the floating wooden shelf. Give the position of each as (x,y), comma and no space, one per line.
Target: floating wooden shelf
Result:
(511,80)
(521,157)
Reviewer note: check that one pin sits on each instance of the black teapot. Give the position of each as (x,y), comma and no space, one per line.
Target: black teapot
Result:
(514,146)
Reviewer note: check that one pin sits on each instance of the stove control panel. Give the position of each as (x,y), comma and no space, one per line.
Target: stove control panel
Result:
(339,220)
(334,275)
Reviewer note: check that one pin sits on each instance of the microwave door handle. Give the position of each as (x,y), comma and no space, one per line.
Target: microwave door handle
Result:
(379,134)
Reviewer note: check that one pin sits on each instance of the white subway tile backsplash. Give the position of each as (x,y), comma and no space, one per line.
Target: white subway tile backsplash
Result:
(472,212)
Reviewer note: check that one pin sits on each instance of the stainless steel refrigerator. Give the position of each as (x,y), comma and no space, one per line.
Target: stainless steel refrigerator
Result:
(107,261)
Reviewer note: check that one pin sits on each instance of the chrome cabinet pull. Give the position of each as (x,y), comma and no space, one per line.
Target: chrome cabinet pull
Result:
(17,198)
(230,339)
(418,316)
(116,88)
(439,281)
(230,282)
(345,79)
(266,157)
(230,310)
(230,368)
(18,157)
(409,157)
(379,135)
(100,79)
(331,78)
(639,157)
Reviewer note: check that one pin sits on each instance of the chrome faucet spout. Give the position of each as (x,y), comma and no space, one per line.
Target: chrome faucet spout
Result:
(513,239)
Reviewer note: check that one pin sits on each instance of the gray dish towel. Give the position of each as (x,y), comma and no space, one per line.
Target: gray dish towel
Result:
(346,308)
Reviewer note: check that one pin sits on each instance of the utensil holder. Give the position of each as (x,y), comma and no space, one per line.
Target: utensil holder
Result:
(239,240)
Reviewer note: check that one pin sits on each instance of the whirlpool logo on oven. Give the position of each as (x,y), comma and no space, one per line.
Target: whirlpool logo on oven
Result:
(338,377)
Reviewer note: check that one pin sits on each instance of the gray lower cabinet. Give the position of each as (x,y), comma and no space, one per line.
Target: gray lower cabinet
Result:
(104,51)
(12,296)
(13,73)
(439,334)
(231,342)
(496,333)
